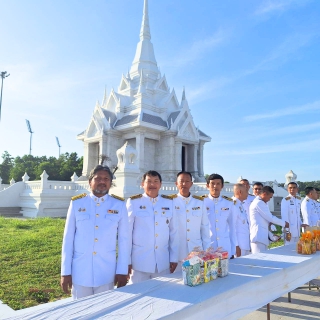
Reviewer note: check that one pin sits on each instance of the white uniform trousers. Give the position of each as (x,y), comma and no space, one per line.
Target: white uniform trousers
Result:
(139,276)
(81,292)
(293,240)
(257,247)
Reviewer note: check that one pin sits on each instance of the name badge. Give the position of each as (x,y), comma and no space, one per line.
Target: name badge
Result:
(82,209)
(142,207)
(224,209)
(177,208)
(196,208)
(113,211)
(165,208)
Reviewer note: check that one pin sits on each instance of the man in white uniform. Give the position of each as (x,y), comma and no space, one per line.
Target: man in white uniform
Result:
(247,202)
(192,216)
(308,207)
(260,217)
(95,224)
(222,216)
(257,187)
(242,224)
(290,211)
(153,231)
(318,202)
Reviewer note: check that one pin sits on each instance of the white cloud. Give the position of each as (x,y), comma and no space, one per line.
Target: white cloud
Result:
(314,106)
(197,49)
(284,52)
(276,6)
(309,146)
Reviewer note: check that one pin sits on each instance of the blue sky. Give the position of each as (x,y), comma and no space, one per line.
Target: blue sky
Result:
(250,69)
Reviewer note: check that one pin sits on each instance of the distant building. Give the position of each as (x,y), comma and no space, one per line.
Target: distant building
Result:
(146,114)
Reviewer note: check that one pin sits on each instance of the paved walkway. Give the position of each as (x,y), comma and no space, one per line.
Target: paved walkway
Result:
(305,304)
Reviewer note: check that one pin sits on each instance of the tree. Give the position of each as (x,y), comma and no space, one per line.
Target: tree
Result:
(57,169)
(5,167)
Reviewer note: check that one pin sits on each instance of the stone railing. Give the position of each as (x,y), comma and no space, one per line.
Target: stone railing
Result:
(4,186)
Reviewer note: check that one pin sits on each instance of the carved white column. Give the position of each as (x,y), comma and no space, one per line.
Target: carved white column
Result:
(201,147)
(140,148)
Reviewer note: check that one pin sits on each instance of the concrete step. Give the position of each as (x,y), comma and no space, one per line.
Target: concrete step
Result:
(11,212)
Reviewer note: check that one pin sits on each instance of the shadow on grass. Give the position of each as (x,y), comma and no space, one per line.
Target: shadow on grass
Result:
(23,226)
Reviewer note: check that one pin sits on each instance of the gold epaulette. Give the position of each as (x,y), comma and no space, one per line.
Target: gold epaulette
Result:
(299,198)
(117,197)
(136,196)
(168,197)
(234,201)
(198,197)
(79,196)
(288,198)
(204,196)
(227,198)
(173,195)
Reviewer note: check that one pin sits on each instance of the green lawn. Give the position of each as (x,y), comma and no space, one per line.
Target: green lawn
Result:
(30,253)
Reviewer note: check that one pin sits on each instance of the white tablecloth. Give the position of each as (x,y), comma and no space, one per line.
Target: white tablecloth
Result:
(253,281)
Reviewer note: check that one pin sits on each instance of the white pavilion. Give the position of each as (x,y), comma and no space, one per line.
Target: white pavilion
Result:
(146,115)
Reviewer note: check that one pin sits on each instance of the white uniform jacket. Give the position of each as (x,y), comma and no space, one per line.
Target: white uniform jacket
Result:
(318,208)
(260,216)
(222,218)
(290,211)
(309,212)
(90,240)
(153,233)
(242,225)
(246,204)
(193,224)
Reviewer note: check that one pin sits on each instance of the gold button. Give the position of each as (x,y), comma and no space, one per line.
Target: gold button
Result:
(156,247)
(187,210)
(156,223)
(188,230)
(98,204)
(156,212)
(217,229)
(188,239)
(97,227)
(95,240)
(97,215)
(217,238)
(156,234)
(217,220)
(94,253)
(188,220)
(216,211)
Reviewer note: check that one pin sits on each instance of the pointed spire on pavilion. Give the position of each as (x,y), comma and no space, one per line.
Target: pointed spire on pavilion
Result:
(105,97)
(183,94)
(145,27)
(144,57)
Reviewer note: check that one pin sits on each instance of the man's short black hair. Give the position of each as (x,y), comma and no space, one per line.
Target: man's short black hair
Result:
(215,176)
(317,189)
(307,190)
(266,189)
(151,173)
(258,184)
(184,172)
(98,168)
(245,180)
(292,182)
